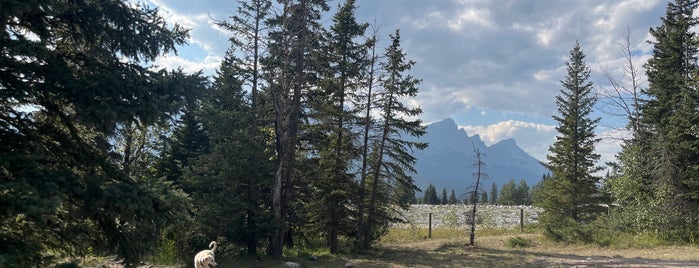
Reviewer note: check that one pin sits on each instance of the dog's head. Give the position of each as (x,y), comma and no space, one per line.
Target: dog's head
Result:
(209,262)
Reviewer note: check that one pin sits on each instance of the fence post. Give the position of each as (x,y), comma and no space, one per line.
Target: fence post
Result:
(521,220)
(429,234)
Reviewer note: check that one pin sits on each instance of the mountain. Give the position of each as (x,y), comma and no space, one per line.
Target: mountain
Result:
(448,161)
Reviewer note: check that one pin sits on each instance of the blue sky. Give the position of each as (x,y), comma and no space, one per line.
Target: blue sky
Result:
(492,66)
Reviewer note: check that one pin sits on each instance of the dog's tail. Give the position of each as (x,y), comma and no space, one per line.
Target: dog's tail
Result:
(212,245)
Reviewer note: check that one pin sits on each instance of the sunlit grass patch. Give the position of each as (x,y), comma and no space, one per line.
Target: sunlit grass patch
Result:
(397,235)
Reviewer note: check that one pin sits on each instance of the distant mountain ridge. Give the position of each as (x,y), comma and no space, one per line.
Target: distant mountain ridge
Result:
(448,160)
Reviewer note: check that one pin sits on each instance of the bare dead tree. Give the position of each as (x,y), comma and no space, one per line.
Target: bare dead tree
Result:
(478,165)
(624,95)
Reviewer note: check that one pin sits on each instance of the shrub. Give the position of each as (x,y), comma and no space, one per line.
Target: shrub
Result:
(166,253)
(518,242)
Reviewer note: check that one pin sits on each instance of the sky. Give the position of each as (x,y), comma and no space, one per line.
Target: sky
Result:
(494,66)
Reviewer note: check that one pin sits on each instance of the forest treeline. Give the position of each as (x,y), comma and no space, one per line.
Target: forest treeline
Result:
(303,134)
(511,193)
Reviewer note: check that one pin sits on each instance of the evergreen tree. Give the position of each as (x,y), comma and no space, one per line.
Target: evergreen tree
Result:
(76,66)
(494,194)
(508,193)
(179,153)
(430,197)
(367,124)
(188,140)
(236,185)
(392,162)
(484,197)
(472,198)
(292,37)
(444,199)
(406,197)
(340,63)
(452,198)
(521,194)
(571,199)
(669,144)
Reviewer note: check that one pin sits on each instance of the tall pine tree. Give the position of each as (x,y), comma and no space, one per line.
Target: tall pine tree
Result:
(391,161)
(341,63)
(288,69)
(669,144)
(571,197)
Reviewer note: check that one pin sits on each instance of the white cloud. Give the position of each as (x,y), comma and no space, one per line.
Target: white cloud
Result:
(610,143)
(203,32)
(534,139)
(208,65)
(471,17)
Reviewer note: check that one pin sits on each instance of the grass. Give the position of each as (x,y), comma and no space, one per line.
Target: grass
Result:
(398,235)
(494,248)
(518,242)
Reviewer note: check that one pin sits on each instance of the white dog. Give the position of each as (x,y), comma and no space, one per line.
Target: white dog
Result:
(205,258)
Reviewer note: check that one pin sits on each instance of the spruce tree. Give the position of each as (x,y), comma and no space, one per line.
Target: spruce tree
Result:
(484,197)
(444,198)
(430,197)
(241,70)
(669,145)
(367,124)
(292,37)
(72,73)
(508,193)
(391,162)
(452,198)
(522,195)
(571,199)
(340,63)
(494,194)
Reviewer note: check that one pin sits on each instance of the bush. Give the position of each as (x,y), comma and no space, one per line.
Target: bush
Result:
(166,253)
(518,242)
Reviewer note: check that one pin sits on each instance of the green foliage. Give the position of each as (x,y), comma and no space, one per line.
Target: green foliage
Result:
(452,198)
(494,194)
(166,252)
(518,242)
(391,162)
(451,218)
(112,157)
(662,160)
(515,194)
(430,196)
(444,199)
(65,186)
(507,193)
(484,197)
(570,198)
